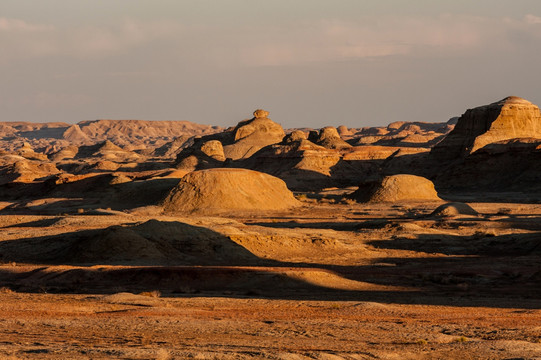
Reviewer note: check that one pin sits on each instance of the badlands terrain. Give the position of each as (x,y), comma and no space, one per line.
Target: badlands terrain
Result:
(129,239)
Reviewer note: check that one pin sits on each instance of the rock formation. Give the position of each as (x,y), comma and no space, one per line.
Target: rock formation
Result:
(239,142)
(136,134)
(393,188)
(68,152)
(251,135)
(201,155)
(403,134)
(296,135)
(508,165)
(226,190)
(329,138)
(344,131)
(299,162)
(172,148)
(454,209)
(506,119)
(107,150)
(27,152)
(22,170)
(492,148)
(75,135)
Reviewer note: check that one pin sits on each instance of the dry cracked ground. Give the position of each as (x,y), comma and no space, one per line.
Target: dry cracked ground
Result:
(330,280)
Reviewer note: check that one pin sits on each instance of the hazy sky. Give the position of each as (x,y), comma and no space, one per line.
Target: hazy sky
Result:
(310,63)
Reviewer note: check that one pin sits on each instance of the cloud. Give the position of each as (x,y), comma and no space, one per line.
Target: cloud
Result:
(24,40)
(99,42)
(532,19)
(285,44)
(336,40)
(17,25)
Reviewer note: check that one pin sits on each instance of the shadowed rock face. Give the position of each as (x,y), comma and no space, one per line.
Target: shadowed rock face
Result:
(107,151)
(225,190)
(201,155)
(507,119)
(329,138)
(296,135)
(24,170)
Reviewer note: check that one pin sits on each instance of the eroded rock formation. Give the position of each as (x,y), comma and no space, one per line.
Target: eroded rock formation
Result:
(506,119)
(225,190)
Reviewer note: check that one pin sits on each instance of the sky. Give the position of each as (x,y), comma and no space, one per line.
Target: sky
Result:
(310,63)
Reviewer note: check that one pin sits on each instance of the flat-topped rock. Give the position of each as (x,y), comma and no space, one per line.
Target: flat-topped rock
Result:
(509,118)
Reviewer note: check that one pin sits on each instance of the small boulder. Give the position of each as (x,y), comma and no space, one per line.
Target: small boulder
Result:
(454,209)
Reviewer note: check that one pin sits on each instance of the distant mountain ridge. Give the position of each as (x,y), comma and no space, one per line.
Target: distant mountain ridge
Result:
(52,136)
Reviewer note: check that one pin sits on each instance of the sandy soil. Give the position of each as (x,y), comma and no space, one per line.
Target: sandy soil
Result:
(326,281)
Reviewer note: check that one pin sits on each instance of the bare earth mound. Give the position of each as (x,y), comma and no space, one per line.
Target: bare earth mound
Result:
(152,242)
(223,190)
(454,209)
(397,188)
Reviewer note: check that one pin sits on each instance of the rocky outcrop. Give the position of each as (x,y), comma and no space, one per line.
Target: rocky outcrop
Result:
(403,134)
(296,135)
(344,131)
(454,209)
(75,135)
(298,161)
(201,155)
(68,152)
(251,135)
(124,132)
(503,166)
(240,142)
(329,138)
(506,119)
(28,152)
(173,148)
(225,190)
(140,135)
(402,187)
(16,169)
(107,151)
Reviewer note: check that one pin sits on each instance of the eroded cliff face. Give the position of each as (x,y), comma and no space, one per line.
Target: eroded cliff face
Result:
(510,118)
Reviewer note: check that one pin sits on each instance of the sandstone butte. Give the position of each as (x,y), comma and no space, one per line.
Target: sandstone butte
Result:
(510,118)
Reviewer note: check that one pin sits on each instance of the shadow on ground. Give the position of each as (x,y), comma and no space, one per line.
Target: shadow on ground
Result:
(179,259)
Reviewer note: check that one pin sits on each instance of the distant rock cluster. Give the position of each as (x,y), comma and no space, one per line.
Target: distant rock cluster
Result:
(495,147)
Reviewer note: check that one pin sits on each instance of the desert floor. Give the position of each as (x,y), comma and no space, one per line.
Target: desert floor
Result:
(330,280)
